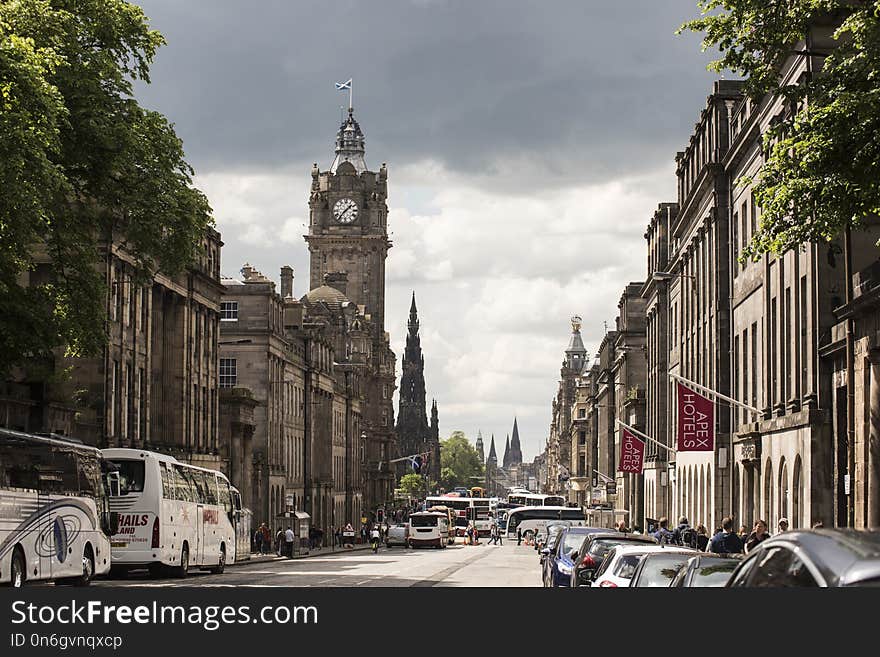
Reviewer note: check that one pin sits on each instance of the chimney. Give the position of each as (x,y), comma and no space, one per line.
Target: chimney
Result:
(337,280)
(292,316)
(286,281)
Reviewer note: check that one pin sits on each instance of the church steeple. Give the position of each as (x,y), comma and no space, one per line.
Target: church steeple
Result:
(505,463)
(515,450)
(479,446)
(492,459)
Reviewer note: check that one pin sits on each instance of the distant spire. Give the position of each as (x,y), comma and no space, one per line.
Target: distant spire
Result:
(505,463)
(492,459)
(350,145)
(413,323)
(479,446)
(515,449)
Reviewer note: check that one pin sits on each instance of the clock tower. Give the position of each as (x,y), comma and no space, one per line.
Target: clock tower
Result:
(348,242)
(348,223)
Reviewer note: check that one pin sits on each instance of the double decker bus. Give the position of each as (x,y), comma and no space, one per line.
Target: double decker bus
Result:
(171,515)
(55,521)
(460,507)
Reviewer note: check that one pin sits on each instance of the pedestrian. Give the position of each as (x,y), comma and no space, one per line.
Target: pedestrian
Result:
(279,542)
(759,534)
(258,540)
(726,541)
(743,533)
(663,535)
(684,534)
(782,525)
(702,538)
(288,543)
(622,528)
(267,539)
(518,536)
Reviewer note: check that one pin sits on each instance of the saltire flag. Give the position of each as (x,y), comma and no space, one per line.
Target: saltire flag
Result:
(632,453)
(696,421)
(341,86)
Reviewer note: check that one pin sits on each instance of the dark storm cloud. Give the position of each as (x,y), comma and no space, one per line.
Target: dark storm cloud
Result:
(584,90)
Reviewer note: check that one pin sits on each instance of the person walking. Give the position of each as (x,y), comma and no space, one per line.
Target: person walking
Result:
(702,538)
(759,534)
(279,542)
(782,525)
(726,541)
(258,540)
(267,539)
(663,535)
(518,536)
(743,533)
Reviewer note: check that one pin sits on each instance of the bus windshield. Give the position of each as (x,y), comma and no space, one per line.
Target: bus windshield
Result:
(417,520)
(131,475)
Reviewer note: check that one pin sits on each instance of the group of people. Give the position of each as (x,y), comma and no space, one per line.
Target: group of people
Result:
(724,541)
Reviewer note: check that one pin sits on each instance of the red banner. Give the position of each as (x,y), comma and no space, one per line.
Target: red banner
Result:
(632,453)
(696,421)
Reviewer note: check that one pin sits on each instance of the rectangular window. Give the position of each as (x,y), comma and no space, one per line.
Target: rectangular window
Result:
(787,347)
(229,311)
(582,438)
(228,372)
(736,373)
(772,352)
(805,355)
(755,364)
(735,243)
(582,413)
(745,373)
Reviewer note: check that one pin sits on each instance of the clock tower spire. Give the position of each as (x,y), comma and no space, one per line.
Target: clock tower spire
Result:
(348,222)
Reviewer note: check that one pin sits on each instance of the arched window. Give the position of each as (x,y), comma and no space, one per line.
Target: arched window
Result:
(797,495)
(783,489)
(738,507)
(708,512)
(768,493)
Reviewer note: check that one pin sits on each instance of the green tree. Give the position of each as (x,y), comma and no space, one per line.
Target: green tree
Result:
(81,163)
(822,174)
(459,462)
(413,485)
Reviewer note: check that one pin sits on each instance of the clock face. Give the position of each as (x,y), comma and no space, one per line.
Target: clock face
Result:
(345,211)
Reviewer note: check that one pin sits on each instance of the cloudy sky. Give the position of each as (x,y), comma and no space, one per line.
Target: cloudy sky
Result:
(527,143)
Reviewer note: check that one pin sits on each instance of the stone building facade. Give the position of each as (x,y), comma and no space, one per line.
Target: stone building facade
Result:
(155,386)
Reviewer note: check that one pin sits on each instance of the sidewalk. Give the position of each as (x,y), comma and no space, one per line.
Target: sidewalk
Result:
(272,556)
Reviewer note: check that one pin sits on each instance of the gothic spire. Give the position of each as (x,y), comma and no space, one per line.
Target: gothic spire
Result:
(515,449)
(505,463)
(479,446)
(492,458)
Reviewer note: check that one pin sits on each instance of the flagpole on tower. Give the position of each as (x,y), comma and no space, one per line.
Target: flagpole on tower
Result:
(350,91)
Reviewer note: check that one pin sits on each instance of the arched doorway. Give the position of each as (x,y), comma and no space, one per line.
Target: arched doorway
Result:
(768,494)
(783,489)
(797,495)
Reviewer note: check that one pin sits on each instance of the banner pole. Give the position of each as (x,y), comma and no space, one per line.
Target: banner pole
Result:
(646,437)
(689,383)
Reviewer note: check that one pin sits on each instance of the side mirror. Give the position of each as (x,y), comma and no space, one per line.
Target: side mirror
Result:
(113,484)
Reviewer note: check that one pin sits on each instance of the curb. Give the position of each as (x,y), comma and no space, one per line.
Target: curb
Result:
(312,553)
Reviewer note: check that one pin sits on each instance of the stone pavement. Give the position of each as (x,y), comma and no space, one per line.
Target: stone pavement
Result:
(272,556)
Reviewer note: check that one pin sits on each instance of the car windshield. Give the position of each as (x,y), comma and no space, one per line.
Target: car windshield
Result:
(714,573)
(661,569)
(573,541)
(423,521)
(626,566)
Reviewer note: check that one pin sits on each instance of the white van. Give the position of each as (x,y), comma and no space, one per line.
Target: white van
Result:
(428,528)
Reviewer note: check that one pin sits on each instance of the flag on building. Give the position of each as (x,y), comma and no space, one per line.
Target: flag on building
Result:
(632,453)
(696,421)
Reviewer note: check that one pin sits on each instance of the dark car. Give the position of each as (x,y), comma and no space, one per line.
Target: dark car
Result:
(660,568)
(554,531)
(812,558)
(560,561)
(706,570)
(593,551)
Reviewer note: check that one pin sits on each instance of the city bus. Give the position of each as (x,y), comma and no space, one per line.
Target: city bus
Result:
(55,520)
(518,498)
(477,491)
(450,520)
(428,528)
(460,506)
(171,515)
(479,513)
(529,520)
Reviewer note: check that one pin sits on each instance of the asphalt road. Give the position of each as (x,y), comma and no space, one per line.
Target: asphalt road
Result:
(457,565)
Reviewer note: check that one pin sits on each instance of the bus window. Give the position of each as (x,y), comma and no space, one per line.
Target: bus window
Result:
(131,476)
(168,484)
(18,465)
(225,495)
(186,486)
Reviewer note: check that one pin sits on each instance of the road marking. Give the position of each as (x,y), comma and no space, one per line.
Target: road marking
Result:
(443,574)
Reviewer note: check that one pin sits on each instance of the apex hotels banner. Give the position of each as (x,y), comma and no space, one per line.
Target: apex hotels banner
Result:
(632,453)
(696,421)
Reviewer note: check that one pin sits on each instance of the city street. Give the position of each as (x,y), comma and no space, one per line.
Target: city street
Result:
(458,565)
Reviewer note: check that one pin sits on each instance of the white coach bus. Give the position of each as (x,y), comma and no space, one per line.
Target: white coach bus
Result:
(171,515)
(55,521)
(529,520)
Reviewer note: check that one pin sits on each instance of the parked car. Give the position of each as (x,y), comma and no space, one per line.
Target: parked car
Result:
(398,534)
(812,558)
(706,569)
(594,549)
(561,561)
(542,537)
(552,540)
(660,567)
(620,563)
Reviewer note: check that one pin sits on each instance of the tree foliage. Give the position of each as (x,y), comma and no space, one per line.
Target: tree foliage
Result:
(460,464)
(822,172)
(82,162)
(413,485)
